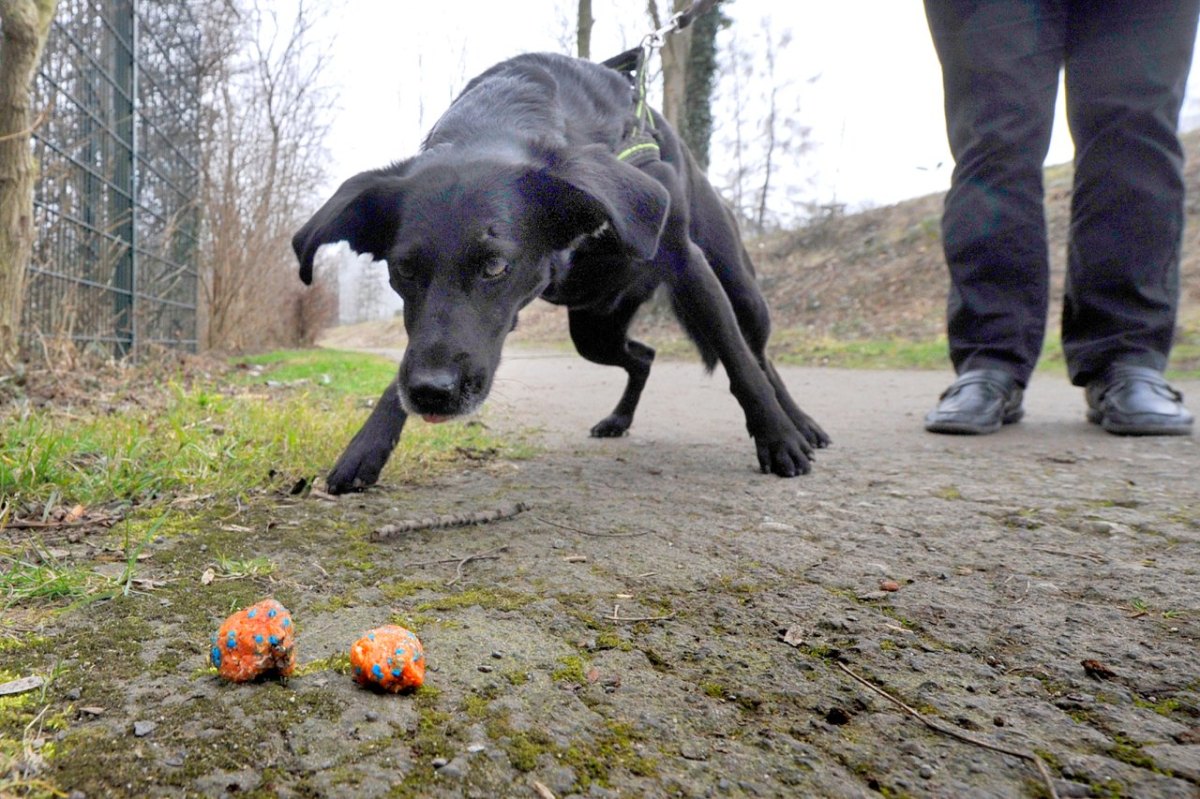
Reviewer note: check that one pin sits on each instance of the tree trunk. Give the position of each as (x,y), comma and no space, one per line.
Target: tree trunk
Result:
(676,52)
(701,79)
(583,33)
(26,25)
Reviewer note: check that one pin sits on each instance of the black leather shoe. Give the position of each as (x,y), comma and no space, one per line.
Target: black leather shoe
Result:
(1137,401)
(978,402)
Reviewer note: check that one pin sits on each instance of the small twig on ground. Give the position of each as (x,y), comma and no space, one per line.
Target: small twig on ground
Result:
(458,570)
(953,733)
(1084,555)
(616,616)
(588,532)
(542,791)
(450,520)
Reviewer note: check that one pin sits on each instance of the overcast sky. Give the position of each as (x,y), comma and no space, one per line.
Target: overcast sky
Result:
(864,78)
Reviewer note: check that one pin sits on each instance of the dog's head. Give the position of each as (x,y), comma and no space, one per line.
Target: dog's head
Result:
(469,239)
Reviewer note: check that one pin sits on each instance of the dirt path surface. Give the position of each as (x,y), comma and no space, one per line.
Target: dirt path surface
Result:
(1011,560)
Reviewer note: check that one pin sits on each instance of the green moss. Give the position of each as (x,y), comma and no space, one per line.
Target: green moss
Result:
(1127,750)
(610,640)
(338,662)
(403,589)
(515,676)
(475,707)
(490,599)
(573,669)
(1163,707)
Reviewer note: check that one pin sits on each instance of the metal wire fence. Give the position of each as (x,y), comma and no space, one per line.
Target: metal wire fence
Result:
(116,207)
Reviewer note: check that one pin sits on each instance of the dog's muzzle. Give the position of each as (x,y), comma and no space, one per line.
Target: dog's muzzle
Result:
(441,392)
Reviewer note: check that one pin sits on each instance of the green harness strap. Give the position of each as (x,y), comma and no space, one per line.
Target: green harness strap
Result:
(640,146)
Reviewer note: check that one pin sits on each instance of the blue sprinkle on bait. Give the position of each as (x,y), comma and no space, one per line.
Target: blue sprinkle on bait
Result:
(215,656)
(231,642)
(252,613)
(258,639)
(270,613)
(395,672)
(377,672)
(274,639)
(287,622)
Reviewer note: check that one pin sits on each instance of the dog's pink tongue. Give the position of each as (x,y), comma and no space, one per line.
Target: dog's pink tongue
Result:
(433,418)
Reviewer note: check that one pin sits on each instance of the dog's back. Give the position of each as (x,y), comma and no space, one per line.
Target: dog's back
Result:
(547,100)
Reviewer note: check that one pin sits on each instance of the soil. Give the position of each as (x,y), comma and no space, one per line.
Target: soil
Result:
(665,621)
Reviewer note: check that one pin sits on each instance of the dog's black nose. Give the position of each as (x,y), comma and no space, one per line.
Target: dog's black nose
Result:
(434,390)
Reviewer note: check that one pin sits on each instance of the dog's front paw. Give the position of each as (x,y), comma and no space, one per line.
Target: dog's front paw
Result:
(786,456)
(355,471)
(613,426)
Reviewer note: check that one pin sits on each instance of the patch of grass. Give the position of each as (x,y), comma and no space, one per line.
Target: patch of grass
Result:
(796,346)
(216,438)
(239,568)
(335,371)
(24,582)
(800,348)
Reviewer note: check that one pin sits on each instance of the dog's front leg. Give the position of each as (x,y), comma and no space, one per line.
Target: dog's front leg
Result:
(365,456)
(707,314)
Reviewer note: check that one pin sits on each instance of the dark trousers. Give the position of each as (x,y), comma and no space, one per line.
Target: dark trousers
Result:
(1126,63)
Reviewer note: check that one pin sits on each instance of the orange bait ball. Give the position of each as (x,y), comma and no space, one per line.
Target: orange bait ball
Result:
(255,641)
(390,658)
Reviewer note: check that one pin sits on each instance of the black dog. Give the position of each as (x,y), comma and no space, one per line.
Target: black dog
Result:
(542,180)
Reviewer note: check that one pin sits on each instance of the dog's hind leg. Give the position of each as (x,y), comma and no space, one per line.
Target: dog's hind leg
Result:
(602,339)
(369,450)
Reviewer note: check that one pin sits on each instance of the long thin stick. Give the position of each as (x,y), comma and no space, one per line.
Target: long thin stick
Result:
(451,520)
(458,570)
(587,532)
(953,733)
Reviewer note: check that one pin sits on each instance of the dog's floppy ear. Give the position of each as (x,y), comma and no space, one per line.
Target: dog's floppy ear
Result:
(363,212)
(582,191)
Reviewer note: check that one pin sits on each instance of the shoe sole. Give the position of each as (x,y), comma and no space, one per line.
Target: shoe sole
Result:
(1117,429)
(968,429)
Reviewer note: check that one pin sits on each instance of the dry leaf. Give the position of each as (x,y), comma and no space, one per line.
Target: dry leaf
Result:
(21,686)
(208,576)
(793,636)
(1097,670)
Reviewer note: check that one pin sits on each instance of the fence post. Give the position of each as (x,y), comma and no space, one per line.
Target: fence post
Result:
(124,198)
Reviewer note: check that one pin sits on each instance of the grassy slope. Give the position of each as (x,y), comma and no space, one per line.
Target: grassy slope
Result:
(867,289)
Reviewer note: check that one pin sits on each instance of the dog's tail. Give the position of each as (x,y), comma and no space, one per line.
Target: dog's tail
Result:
(696,327)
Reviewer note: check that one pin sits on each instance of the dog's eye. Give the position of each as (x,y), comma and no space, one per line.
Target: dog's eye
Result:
(497,267)
(402,269)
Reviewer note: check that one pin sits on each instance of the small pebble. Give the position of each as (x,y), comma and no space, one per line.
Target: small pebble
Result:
(497,655)
(925,771)
(74,694)
(485,668)
(438,762)
(143,728)
(474,748)
(372,715)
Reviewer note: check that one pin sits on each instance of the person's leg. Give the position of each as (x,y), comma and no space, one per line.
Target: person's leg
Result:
(1000,66)
(1127,62)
